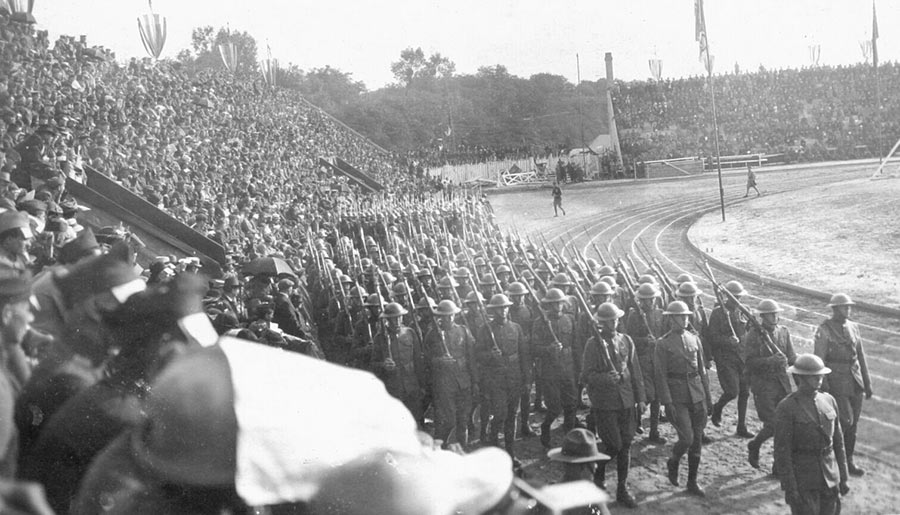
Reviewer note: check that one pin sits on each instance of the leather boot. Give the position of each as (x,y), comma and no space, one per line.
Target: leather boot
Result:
(624,498)
(693,469)
(672,467)
(753,453)
(600,476)
(545,434)
(742,418)
(654,425)
(716,417)
(850,447)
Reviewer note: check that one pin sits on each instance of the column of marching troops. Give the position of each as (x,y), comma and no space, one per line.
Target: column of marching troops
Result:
(485,329)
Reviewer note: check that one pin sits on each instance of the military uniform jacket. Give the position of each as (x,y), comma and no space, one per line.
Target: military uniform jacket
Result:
(523,315)
(556,363)
(511,366)
(637,330)
(625,393)
(762,372)
(406,351)
(840,347)
(456,372)
(809,444)
(718,333)
(680,370)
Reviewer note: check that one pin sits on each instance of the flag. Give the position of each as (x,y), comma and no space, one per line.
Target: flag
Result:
(700,35)
(874,36)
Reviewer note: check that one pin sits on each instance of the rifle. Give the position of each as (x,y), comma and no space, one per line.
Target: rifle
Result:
(389,360)
(495,349)
(599,254)
(767,339)
(537,301)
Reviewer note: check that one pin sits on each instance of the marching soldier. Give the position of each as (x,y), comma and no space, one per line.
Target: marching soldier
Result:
(683,387)
(809,446)
(523,315)
(552,341)
(839,344)
(768,356)
(725,332)
(450,363)
(397,360)
(502,351)
(616,389)
(689,293)
(644,325)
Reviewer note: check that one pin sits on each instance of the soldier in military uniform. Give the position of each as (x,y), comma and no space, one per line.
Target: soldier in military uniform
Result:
(644,325)
(768,356)
(809,446)
(612,373)
(552,342)
(523,315)
(724,334)
(450,363)
(502,351)
(683,387)
(397,359)
(839,344)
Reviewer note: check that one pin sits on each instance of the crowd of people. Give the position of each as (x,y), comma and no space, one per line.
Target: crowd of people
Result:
(809,114)
(361,354)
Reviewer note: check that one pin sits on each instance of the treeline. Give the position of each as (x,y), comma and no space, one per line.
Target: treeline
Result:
(430,106)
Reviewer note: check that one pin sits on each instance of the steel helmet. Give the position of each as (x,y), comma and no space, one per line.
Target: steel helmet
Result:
(840,299)
(684,278)
(337,273)
(365,262)
(516,288)
(499,301)
(473,296)
(388,278)
(426,303)
(393,310)
(687,289)
(592,263)
(553,295)
(447,283)
(809,365)
(527,275)
(608,279)
(503,269)
(735,288)
(443,250)
(411,269)
(552,261)
(609,311)
(396,267)
(768,306)
(400,289)
(560,279)
(374,299)
(424,272)
(606,270)
(356,292)
(647,291)
(677,308)
(446,307)
(602,288)
(479,261)
(345,279)
(498,260)
(190,434)
(460,257)
(486,279)
(544,267)
(646,279)
(461,273)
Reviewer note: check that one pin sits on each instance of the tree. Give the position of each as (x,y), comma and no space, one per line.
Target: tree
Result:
(414,68)
(205,44)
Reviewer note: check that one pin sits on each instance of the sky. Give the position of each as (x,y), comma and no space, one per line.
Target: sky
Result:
(526,36)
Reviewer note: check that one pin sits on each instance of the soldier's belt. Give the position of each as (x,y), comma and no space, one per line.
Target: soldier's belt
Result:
(686,375)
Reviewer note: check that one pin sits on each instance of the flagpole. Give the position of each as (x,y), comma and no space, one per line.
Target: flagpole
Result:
(712,94)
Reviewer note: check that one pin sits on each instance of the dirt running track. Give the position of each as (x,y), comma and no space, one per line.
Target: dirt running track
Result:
(616,217)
